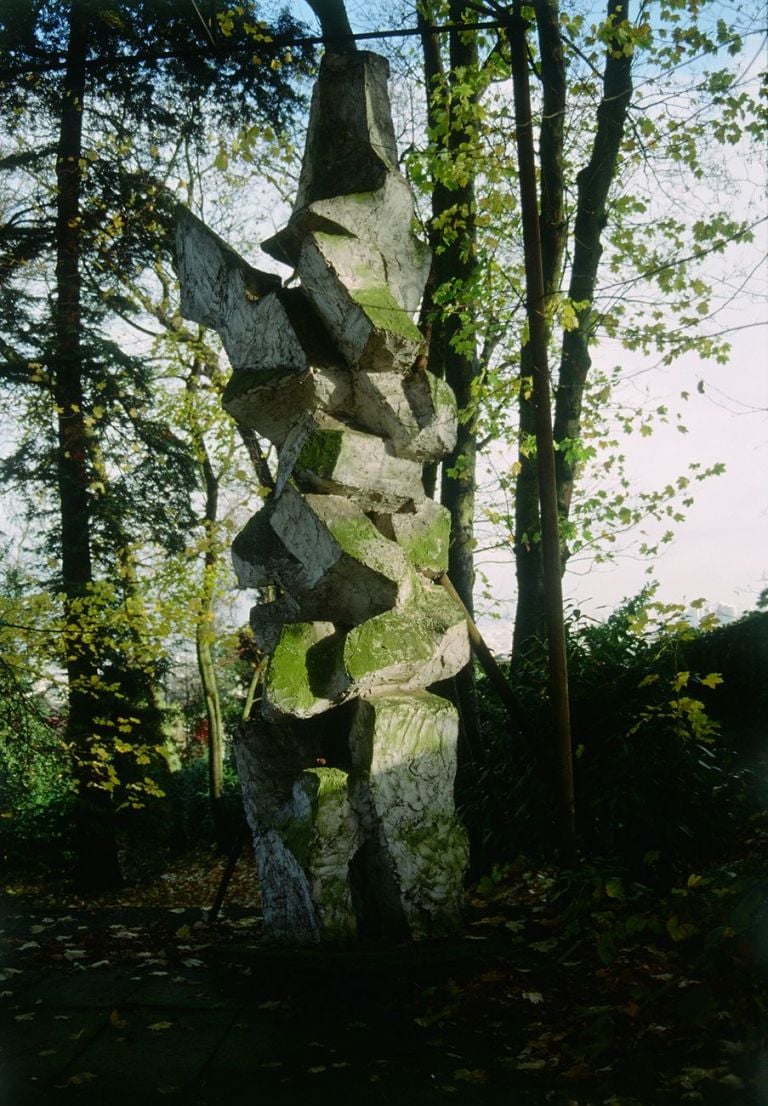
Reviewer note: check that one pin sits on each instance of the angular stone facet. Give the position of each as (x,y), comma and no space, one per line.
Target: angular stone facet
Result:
(347,283)
(417,412)
(348,770)
(401,783)
(410,648)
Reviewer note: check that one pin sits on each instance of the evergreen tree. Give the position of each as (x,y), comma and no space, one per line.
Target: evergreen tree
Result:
(84,84)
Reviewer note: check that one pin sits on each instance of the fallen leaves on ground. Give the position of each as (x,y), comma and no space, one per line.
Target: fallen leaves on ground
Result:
(189,881)
(607,978)
(598,984)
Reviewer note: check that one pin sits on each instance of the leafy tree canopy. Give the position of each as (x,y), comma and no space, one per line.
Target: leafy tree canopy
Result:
(151,63)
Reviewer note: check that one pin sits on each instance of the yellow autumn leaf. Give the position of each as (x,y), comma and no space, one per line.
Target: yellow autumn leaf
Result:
(680,931)
(471,1075)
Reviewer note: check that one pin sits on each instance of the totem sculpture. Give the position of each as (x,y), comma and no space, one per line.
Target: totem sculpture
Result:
(348,775)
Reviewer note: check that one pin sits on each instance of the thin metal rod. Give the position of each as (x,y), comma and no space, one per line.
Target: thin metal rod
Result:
(496,677)
(278,40)
(226,876)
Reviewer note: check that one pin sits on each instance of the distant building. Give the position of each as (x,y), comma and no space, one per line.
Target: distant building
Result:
(723,612)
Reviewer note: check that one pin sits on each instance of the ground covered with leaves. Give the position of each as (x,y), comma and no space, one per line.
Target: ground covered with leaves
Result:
(569,988)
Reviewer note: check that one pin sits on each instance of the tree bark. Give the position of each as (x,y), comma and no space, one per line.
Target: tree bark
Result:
(97,863)
(536,306)
(454,261)
(457,261)
(593,184)
(530,615)
(451,349)
(334,25)
(430,323)
(253,446)
(204,628)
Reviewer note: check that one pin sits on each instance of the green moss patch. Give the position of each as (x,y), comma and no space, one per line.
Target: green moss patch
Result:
(425,540)
(321,451)
(394,637)
(359,538)
(398,637)
(301,668)
(384,312)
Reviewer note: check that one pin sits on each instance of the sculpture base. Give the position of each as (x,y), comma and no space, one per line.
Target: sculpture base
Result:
(369,848)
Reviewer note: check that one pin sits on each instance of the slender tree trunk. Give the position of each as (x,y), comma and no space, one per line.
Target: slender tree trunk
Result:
(136,665)
(593,184)
(430,322)
(204,628)
(451,347)
(205,663)
(334,24)
(255,451)
(536,305)
(215,721)
(97,861)
(145,673)
(253,686)
(530,616)
(458,262)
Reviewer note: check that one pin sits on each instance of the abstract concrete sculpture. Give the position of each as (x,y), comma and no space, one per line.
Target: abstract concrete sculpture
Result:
(348,775)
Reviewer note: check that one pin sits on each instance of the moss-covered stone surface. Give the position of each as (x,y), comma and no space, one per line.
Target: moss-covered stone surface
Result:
(424,535)
(304,675)
(424,641)
(354,831)
(334,842)
(321,452)
(384,312)
(404,762)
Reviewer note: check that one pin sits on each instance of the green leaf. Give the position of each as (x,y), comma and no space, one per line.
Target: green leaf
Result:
(712,680)
(680,931)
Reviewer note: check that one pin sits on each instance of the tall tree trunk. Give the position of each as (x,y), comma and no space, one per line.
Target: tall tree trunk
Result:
(204,627)
(536,308)
(457,262)
(334,24)
(145,674)
(452,351)
(206,668)
(593,183)
(430,320)
(530,616)
(97,861)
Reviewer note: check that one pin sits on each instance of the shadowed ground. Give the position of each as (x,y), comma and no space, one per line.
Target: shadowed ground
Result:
(123,1004)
